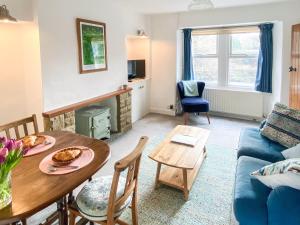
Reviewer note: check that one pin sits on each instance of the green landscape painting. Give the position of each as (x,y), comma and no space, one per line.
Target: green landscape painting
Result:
(93,44)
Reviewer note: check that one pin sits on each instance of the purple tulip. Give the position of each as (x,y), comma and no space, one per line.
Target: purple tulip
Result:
(3,139)
(3,154)
(13,145)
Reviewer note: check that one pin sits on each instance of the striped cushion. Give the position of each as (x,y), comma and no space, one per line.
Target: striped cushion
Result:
(283,126)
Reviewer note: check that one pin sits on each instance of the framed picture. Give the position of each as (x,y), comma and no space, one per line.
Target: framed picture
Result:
(92,50)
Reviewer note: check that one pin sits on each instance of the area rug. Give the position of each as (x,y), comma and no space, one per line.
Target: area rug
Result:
(210,199)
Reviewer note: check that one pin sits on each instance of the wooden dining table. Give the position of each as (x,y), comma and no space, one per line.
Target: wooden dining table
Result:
(33,190)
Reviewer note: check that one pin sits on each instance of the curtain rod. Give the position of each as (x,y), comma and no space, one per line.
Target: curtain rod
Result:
(226,27)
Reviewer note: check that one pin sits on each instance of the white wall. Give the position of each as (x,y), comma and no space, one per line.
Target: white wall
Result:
(164,45)
(20,72)
(20,9)
(62,83)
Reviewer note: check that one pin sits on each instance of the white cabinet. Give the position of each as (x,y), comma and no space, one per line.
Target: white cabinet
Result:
(140,98)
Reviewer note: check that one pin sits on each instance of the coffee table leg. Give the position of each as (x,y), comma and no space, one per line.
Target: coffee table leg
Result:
(157,175)
(185,184)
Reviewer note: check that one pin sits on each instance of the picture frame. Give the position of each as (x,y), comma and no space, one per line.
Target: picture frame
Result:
(92,46)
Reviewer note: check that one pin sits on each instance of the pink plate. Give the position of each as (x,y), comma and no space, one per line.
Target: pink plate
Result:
(86,158)
(41,148)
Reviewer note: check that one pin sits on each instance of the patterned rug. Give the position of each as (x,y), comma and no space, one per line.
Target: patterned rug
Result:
(210,199)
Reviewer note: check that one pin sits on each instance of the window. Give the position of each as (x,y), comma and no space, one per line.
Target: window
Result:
(205,57)
(226,58)
(244,49)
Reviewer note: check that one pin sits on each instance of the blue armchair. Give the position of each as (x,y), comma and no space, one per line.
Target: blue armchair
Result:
(193,104)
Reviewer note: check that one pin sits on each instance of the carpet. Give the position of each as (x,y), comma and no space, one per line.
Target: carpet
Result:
(210,199)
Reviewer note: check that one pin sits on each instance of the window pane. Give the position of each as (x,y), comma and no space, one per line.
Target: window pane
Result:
(204,44)
(242,71)
(206,69)
(245,44)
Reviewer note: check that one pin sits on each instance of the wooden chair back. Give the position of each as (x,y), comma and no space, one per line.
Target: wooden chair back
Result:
(16,124)
(130,164)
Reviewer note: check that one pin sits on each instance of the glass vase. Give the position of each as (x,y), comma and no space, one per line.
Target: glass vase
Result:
(5,191)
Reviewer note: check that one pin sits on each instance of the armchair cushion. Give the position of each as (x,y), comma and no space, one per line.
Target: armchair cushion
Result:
(195,104)
(283,206)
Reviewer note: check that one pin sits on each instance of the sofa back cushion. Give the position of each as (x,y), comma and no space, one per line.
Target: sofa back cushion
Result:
(283,126)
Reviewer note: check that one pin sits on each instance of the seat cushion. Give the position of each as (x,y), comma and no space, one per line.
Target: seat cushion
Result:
(92,200)
(250,195)
(194,104)
(253,144)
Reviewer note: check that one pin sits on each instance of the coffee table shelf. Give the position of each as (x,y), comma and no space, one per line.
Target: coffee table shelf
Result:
(178,164)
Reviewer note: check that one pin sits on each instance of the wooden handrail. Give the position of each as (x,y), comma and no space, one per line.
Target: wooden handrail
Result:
(75,106)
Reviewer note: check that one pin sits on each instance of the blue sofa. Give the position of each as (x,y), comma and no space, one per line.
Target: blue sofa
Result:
(254,203)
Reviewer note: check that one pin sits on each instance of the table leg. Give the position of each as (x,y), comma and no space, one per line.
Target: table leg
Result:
(185,184)
(157,175)
(62,211)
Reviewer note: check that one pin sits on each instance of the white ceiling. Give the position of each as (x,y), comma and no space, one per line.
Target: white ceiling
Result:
(167,6)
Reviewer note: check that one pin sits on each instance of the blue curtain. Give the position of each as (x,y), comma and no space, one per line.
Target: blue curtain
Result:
(263,81)
(188,71)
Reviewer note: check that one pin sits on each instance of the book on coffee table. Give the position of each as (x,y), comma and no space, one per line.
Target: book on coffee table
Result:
(184,139)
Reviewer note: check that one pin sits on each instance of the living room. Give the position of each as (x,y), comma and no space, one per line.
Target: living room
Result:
(210,73)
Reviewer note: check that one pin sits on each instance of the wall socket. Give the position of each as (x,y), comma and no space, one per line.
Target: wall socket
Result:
(171,107)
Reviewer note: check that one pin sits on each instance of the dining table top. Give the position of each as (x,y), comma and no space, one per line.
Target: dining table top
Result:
(33,190)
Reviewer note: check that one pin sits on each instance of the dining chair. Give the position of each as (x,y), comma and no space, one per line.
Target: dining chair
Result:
(16,124)
(103,200)
(195,104)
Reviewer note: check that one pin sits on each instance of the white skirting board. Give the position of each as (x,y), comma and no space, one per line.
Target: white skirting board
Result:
(163,111)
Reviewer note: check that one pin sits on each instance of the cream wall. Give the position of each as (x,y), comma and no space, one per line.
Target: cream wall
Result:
(139,48)
(20,76)
(165,28)
(62,83)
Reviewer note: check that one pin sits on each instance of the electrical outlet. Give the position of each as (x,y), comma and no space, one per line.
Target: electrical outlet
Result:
(171,107)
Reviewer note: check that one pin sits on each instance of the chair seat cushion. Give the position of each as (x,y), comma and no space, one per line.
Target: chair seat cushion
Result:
(195,104)
(92,200)
(253,144)
(250,195)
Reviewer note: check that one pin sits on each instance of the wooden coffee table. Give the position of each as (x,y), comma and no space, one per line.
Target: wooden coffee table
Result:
(182,162)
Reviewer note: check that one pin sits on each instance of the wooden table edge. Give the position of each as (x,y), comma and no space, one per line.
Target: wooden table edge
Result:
(171,165)
(22,216)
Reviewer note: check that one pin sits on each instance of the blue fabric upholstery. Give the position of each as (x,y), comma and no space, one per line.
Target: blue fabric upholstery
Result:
(255,203)
(250,195)
(193,104)
(263,81)
(253,144)
(283,206)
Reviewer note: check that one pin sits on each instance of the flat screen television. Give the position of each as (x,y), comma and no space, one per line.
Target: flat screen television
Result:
(136,69)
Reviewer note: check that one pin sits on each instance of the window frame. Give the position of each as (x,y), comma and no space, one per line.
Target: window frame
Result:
(238,56)
(210,56)
(224,54)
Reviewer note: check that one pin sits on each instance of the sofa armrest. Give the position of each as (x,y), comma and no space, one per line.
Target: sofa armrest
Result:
(284,206)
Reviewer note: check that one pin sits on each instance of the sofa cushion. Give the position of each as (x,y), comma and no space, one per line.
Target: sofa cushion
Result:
(283,126)
(283,173)
(195,104)
(250,195)
(253,144)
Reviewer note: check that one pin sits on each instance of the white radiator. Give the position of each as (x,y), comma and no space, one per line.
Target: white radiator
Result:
(241,103)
